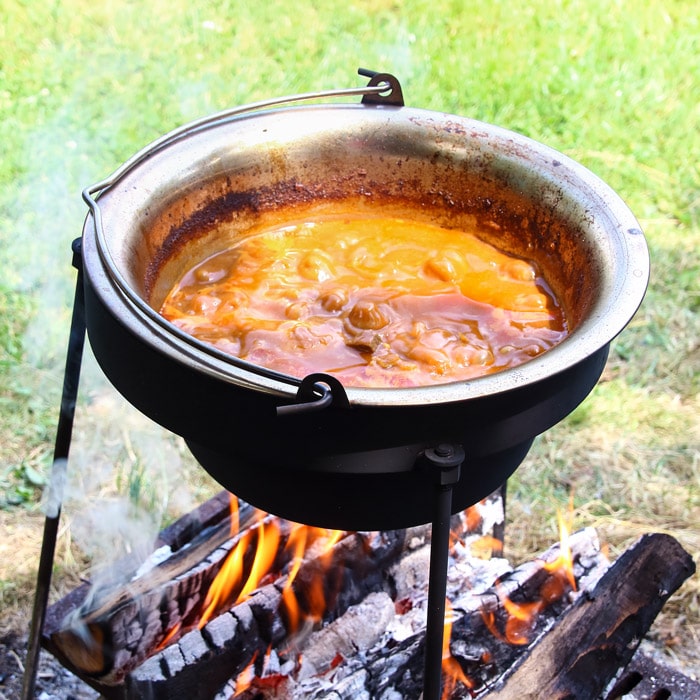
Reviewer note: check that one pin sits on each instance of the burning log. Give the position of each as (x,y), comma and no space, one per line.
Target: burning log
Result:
(358,563)
(394,667)
(372,588)
(225,647)
(116,628)
(578,650)
(599,634)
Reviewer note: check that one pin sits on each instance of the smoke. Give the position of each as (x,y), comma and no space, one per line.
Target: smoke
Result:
(54,492)
(124,475)
(119,528)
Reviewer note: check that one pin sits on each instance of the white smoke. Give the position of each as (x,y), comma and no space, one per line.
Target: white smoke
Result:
(125,477)
(124,474)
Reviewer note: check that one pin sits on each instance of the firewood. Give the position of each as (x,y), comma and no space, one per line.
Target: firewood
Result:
(119,626)
(108,638)
(116,631)
(358,562)
(599,634)
(231,642)
(395,668)
(578,648)
(208,516)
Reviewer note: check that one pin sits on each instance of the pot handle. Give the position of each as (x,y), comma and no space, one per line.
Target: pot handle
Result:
(382,89)
(316,392)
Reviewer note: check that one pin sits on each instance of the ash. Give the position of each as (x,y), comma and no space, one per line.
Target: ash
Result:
(53,681)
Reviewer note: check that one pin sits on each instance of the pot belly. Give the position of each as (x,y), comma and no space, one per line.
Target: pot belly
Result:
(345,467)
(368,500)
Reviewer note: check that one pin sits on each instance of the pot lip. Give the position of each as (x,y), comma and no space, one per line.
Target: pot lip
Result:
(593,333)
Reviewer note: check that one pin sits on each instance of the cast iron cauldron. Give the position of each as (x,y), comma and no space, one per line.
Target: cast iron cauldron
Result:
(312,450)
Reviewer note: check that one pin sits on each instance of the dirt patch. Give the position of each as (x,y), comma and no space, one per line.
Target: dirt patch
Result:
(19,554)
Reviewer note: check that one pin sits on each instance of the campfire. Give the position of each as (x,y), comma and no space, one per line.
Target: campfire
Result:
(236,603)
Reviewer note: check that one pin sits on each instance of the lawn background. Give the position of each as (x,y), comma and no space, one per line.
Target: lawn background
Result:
(613,84)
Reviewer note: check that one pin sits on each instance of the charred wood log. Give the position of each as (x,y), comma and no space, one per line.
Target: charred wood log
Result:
(599,634)
(645,677)
(395,669)
(114,629)
(208,515)
(580,648)
(229,641)
(124,625)
(235,640)
(577,653)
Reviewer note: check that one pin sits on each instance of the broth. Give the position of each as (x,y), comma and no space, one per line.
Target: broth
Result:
(377,302)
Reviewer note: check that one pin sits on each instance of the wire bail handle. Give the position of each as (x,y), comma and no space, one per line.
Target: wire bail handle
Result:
(382,89)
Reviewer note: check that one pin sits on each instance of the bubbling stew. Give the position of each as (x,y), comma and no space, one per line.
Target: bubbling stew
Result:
(377,302)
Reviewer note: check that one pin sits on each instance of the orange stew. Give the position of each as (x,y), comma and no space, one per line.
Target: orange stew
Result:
(378,302)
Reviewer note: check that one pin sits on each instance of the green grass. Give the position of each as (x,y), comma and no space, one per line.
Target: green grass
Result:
(614,85)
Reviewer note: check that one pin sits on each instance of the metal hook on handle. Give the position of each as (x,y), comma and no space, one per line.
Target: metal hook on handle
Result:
(393,97)
(316,392)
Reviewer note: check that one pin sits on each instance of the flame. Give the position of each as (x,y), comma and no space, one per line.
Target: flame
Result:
(258,554)
(563,566)
(450,666)
(297,544)
(267,682)
(268,542)
(245,678)
(521,617)
(232,584)
(234,515)
(521,620)
(316,600)
(271,547)
(169,636)
(473,517)
(485,546)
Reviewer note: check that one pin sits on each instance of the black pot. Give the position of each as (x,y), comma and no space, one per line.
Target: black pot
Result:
(314,451)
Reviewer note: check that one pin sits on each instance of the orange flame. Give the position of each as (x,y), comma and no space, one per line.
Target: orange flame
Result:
(258,554)
(473,517)
(521,617)
(563,566)
(296,544)
(231,585)
(245,677)
(268,543)
(253,558)
(316,600)
(234,514)
(450,666)
(519,621)
(485,546)
(169,636)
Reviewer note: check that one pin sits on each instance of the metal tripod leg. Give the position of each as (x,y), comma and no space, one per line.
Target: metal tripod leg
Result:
(445,461)
(64,432)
